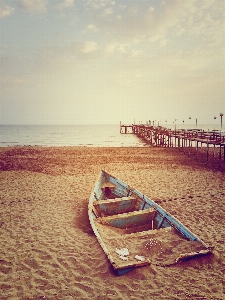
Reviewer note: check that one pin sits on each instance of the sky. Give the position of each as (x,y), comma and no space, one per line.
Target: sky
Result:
(106,61)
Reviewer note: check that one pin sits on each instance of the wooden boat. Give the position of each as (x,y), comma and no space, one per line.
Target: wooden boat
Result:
(134,231)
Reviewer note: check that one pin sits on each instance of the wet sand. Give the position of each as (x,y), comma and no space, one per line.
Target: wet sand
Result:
(48,249)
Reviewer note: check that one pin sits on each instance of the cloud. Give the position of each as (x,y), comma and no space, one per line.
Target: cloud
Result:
(209,24)
(155,24)
(37,6)
(98,4)
(166,20)
(5,10)
(163,42)
(103,8)
(91,28)
(65,59)
(107,11)
(65,4)
(88,47)
(110,48)
(122,49)
(59,59)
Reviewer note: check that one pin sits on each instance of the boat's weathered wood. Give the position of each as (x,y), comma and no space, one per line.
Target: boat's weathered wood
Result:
(131,264)
(115,206)
(108,184)
(95,212)
(131,219)
(108,189)
(191,254)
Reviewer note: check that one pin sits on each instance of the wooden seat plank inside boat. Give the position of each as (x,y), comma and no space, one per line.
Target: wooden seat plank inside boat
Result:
(115,206)
(130,219)
(108,184)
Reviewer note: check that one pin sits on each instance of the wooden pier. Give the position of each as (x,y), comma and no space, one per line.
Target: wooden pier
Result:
(209,145)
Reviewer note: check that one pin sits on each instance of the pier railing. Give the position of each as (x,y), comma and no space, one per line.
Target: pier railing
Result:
(195,142)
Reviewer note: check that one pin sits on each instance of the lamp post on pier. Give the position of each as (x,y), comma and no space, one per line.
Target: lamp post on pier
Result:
(214,123)
(221,124)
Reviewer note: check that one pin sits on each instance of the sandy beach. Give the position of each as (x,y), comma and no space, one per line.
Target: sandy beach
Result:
(48,249)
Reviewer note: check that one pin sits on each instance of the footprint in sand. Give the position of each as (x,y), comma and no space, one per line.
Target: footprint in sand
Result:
(32,263)
(42,254)
(5,266)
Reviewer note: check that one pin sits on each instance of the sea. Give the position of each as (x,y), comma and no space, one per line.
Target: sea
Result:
(66,135)
(76,135)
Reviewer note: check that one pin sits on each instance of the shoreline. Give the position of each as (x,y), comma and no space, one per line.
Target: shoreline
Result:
(187,158)
(48,249)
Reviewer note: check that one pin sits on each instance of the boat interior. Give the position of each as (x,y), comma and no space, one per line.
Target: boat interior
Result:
(126,212)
